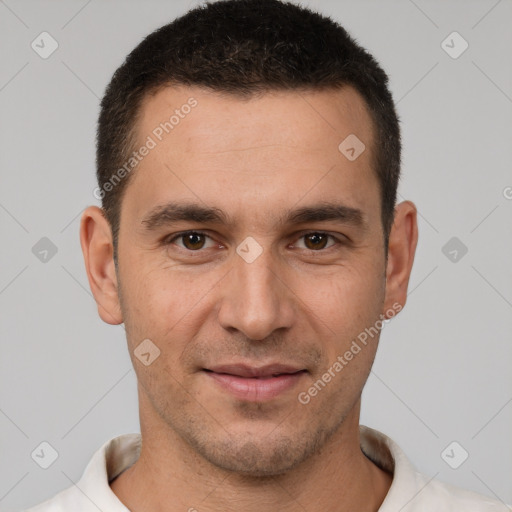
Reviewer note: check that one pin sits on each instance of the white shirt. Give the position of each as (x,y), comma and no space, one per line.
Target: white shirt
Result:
(410,491)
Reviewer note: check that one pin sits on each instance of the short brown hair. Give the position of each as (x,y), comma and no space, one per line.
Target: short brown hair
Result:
(245,47)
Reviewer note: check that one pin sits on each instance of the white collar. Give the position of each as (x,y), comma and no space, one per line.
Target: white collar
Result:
(410,491)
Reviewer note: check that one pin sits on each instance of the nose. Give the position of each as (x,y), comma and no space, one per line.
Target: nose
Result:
(256,299)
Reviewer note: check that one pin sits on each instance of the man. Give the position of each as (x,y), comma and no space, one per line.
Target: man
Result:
(249,240)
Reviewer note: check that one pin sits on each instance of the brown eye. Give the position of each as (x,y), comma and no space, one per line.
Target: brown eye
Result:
(190,240)
(315,241)
(193,240)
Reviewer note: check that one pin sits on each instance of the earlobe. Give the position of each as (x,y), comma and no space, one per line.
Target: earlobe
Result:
(97,249)
(401,250)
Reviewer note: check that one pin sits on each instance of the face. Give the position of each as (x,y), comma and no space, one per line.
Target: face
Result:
(251,254)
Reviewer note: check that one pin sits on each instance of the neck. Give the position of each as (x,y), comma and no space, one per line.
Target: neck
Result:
(170,476)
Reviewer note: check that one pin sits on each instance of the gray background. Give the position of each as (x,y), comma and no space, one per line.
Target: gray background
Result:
(443,369)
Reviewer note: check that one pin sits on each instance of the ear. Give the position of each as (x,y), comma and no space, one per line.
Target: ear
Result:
(98,251)
(403,239)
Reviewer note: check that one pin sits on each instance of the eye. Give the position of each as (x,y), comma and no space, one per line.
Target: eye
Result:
(194,241)
(191,240)
(317,240)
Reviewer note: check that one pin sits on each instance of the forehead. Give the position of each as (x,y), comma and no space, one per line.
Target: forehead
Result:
(220,148)
(219,120)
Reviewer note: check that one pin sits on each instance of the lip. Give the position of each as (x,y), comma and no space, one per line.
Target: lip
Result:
(255,384)
(244,370)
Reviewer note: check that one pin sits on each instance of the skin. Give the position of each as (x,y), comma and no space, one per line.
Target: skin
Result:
(300,302)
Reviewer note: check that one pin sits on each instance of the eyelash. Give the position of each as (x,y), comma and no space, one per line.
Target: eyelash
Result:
(169,241)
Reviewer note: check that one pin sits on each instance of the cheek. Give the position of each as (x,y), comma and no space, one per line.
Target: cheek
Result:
(348,299)
(163,303)
(347,306)
(348,311)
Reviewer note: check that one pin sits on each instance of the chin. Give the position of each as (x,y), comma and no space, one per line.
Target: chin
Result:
(268,456)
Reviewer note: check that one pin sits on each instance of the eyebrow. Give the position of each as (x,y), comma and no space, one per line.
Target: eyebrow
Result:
(173,212)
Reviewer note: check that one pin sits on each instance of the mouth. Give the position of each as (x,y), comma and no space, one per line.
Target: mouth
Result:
(255,384)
